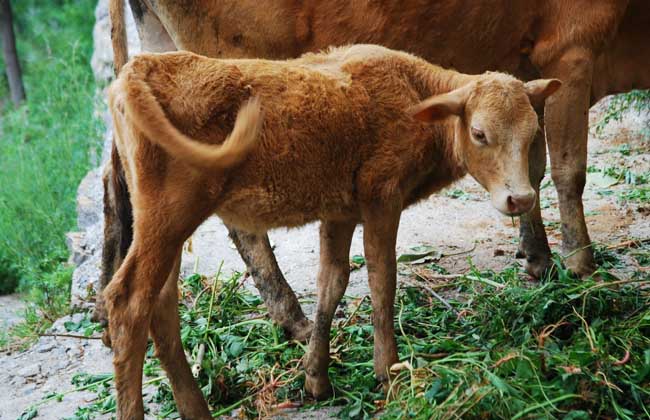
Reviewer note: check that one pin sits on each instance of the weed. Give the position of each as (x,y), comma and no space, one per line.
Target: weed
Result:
(568,348)
(457,193)
(637,100)
(640,195)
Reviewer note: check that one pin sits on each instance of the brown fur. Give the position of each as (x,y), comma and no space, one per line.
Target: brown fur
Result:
(335,143)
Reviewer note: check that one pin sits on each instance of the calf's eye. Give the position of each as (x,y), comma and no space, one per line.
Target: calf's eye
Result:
(479,135)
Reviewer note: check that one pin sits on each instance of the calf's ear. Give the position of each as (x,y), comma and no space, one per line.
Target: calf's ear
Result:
(540,89)
(440,106)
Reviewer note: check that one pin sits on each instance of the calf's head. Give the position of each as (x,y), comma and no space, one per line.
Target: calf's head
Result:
(495,126)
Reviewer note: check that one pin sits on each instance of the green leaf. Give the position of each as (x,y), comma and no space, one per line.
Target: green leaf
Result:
(358,259)
(433,390)
(29,414)
(498,383)
(420,255)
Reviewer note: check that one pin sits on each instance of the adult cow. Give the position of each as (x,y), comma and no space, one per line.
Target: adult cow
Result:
(595,47)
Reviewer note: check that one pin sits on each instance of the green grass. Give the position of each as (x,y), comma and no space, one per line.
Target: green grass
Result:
(511,349)
(46,148)
(636,100)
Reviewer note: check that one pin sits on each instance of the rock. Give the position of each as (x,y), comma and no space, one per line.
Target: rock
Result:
(75,351)
(76,244)
(29,388)
(45,347)
(29,371)
(89,200)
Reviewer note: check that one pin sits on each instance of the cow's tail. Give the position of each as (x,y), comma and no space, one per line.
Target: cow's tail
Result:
(118,34)
(146,113)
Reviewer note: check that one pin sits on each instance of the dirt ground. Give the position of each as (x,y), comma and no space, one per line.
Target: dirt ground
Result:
(457,221)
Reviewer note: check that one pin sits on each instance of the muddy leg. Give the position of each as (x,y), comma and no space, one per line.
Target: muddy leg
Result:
(280,300)
(165,330)
(533,243)
(566,132)
(379,236)
(333,279)
(130,299)
(118,232)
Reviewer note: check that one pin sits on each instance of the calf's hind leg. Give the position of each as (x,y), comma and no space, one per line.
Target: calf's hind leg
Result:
(165,330)
(333,276)
(379,237)
(131,298)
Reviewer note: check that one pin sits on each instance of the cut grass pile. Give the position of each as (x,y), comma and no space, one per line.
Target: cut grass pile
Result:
(510,349)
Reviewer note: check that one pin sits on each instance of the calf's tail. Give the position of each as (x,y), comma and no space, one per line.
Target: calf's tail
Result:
(145,111)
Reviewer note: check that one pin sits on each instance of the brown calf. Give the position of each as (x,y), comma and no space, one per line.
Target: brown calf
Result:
(325,137)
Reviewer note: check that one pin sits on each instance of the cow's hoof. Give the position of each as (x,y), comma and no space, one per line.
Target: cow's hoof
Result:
(318,386)
(538,266)
(301,330)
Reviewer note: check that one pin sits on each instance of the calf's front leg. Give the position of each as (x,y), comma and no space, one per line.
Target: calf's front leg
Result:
(165,331)
(333,276)
(379,237)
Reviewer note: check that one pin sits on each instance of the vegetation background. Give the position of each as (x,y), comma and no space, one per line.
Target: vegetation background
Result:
(46,147)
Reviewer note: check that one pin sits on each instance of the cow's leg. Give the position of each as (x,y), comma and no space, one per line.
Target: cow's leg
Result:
(533,243)
(165,330)
(566,116)
(281,302)
(333,276)
(130,299)
(379,236)
(118,232)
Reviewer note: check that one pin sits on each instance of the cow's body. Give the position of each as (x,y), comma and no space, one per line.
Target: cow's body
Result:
(334,141)
(595,46)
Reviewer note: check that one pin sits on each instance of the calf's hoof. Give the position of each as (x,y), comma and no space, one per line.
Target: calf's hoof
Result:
(301,330)
(318,386)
